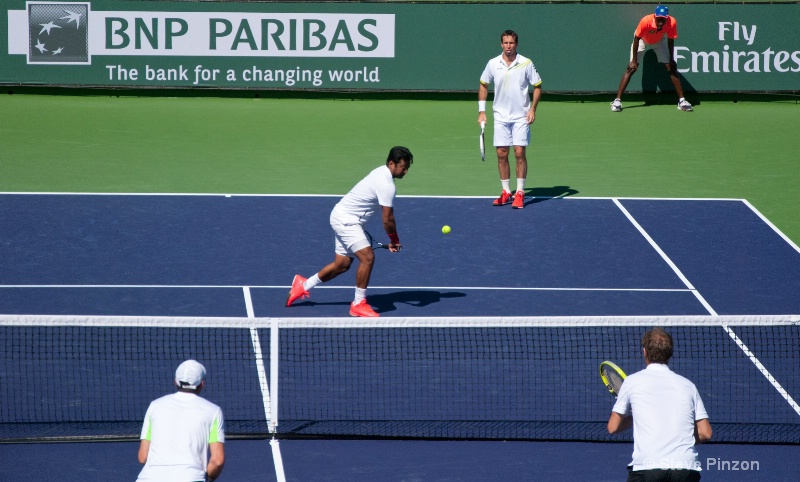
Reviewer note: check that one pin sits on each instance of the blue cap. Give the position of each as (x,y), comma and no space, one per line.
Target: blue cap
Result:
(662,11)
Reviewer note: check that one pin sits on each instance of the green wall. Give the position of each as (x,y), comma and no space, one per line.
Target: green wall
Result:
(434,46)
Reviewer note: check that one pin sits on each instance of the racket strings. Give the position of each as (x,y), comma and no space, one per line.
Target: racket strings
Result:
(614,379)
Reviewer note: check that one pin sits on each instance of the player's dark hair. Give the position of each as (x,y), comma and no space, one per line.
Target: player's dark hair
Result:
(658,344)
(399,153)
(510,33)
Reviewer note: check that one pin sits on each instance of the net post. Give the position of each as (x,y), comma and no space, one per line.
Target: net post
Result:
(274,356)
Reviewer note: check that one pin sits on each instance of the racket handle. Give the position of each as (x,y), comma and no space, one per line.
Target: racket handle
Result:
(483,124)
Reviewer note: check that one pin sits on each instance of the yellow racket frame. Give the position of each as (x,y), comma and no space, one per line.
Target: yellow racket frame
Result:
(612,366)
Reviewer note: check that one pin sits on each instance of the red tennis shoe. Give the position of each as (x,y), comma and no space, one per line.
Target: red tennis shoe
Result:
(362,309)
(297,290)
(505,198)
(519,200)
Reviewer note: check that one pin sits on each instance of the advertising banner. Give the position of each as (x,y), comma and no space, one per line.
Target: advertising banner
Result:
(385,46)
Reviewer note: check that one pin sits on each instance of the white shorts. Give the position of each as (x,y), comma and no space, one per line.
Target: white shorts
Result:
(512,134)
(348,238)
(660,48)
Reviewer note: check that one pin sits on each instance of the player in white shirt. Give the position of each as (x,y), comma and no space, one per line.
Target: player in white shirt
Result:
(667,415)
(180,430)
(514,112)
(374,192)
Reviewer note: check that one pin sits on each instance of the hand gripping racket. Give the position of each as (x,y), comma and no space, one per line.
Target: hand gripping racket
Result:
(482,142)
(612,377)
(375,244)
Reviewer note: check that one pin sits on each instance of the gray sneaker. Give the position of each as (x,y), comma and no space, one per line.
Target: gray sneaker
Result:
(685,106)
(616,106)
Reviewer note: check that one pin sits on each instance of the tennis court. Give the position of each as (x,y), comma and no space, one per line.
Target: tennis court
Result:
(457,329)
(139,228)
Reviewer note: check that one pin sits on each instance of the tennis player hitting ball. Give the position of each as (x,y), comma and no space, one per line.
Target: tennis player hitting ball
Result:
(351,213)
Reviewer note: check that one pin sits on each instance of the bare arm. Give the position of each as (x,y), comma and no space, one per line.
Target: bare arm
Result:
(618,423)
(390,227)
(702,431)
(216,461)
(537,94)
(144,449)
(634,64)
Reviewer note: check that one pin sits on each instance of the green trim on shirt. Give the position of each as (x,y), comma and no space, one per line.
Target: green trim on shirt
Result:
(214,435)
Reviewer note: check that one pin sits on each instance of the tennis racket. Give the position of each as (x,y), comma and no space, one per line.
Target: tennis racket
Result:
(482,142)
(375,244)
(612,377)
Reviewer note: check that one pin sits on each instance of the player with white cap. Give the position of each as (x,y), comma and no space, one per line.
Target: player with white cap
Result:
(180,430)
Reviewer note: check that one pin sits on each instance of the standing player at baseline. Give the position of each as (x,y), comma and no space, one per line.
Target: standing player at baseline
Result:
(667,415)
(348,217)
(180,430)
(513,112)
(657,31)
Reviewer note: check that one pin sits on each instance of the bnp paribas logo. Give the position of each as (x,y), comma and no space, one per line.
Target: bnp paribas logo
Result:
(58,33)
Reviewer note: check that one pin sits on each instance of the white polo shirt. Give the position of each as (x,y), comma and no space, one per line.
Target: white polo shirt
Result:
(665,407)
(511,86)
(179,427)
(375,190)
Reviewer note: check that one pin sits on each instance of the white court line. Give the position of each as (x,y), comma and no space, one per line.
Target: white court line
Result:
(423,196)
(270,405)
(259,356)
(666,258)
(248,302)
(496,288)
(769,223)
(277,459)
(761,368)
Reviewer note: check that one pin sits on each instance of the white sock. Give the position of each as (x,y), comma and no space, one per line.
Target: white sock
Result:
(312,282)
(506,185)
(681,100)
(361,293)
(521,185)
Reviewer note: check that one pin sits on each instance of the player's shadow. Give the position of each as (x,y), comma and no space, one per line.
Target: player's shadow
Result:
(416,298)
(540,194)
(657,88)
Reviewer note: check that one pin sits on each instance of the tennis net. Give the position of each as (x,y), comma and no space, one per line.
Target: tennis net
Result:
(71,378)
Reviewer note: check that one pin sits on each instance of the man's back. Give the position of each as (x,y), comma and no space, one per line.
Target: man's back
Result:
(665,406)
(179,427)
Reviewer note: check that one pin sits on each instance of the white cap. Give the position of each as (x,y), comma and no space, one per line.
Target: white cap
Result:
(189,375)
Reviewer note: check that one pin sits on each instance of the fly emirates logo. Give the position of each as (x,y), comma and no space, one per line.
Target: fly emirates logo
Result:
(738,54)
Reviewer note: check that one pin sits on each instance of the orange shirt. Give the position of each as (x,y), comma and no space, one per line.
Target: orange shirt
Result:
(647,30)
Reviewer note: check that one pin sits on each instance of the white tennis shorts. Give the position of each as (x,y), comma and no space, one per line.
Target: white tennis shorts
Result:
(661,49)
(348,238)
(511,134)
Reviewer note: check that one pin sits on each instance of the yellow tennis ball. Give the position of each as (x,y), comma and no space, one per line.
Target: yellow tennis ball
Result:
(445,229)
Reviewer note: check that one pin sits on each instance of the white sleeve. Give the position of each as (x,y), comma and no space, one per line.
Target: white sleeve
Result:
(386,195)
(534,76)
(699,409)
(623,404)
(145,435)
(486,76)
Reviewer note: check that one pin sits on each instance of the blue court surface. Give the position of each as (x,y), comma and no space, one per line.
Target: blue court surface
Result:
(235,256)
(193,255)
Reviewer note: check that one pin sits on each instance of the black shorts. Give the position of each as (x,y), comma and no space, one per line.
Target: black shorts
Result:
(663,475)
